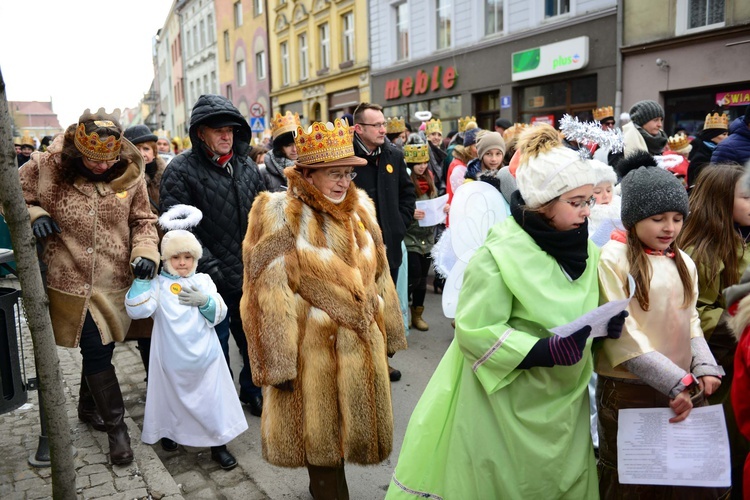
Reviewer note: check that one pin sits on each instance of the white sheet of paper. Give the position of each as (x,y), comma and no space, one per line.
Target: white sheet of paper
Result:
(694,452)
(433,210)
(598,319)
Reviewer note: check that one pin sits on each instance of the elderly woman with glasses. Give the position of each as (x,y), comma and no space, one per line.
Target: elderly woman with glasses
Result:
(90,213)
(321,316)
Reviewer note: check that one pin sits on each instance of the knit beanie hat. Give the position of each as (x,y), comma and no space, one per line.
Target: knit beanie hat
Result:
(649,190)
(547,169)
(470,136)
(489,140)
(604,173)
(643,112)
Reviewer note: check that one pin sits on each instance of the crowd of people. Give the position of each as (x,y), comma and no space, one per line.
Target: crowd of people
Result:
(312,255)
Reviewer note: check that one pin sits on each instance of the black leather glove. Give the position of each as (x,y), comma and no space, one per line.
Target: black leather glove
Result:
(556,350)
(614,327)
(44,226)
(143,269)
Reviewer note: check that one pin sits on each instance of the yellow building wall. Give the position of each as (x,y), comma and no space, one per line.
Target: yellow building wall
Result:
(289,20)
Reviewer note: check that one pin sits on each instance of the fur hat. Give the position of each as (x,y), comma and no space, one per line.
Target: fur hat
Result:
(643,112)
(547,169)
(138,134)
(604,173)
(489,140)
(648,190)
(178,239)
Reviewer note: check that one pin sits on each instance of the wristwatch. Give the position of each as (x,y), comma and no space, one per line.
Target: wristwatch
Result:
(689,381)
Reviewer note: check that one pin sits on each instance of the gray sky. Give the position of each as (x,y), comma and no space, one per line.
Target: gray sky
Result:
(79,53)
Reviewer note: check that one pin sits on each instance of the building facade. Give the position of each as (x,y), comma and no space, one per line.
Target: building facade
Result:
(319,53)
(526,61)
(243,59)
(35,118)
(690,55)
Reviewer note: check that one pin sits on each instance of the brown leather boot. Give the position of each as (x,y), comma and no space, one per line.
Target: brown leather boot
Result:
(416,319)
(87,407)
(106,392)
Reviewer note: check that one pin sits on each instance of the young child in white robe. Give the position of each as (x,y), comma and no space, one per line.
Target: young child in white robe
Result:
(191,399)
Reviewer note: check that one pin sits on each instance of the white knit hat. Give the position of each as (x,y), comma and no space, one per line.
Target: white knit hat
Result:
(604,173)
(548,175)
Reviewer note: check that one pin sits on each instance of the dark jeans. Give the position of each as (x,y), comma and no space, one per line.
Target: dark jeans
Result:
(97,357)
(233,323)
(328,483)
(419,266)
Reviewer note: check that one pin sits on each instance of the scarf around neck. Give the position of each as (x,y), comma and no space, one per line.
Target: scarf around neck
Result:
(568,248)
(654,143)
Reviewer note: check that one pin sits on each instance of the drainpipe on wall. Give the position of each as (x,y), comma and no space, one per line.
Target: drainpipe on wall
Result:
(618,64)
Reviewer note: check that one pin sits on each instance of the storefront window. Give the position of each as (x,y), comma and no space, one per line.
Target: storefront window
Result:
(487,106)
(549,102)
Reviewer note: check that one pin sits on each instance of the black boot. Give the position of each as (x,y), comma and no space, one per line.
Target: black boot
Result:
(87,407)
(221,455)
(106,392)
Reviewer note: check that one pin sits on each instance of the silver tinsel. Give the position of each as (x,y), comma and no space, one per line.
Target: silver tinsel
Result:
(589,133)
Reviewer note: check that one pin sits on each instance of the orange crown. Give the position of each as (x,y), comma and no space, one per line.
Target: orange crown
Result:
(678,142)
(603,112)
(97,149)
(514,131)
(716,121)
(416,153)
(433,126)
(281,124)
(463,122)
(324,142)
(394,125)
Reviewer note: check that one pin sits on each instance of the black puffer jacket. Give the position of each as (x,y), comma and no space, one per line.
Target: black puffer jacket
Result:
(192,178)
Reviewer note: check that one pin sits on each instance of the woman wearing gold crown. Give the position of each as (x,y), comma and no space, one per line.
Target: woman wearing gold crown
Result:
(284,152)
(89,209)
(715,130)
(320,313)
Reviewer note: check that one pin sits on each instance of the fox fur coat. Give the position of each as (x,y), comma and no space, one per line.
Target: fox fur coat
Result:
(320,310)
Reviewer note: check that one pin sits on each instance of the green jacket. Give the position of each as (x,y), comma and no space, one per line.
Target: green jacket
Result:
(418,238)
(485,429)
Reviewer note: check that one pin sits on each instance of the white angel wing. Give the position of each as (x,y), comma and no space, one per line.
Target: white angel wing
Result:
(476,207)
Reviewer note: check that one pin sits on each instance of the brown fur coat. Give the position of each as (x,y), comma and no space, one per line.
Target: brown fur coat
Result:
(319,309)
(105,225)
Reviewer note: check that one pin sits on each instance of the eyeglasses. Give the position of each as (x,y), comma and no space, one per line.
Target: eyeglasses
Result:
(375,125)
(579,204)
(99,162)
(609,123)
(338,176)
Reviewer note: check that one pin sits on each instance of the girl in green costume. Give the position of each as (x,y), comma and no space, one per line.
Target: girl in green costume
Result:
(506,413)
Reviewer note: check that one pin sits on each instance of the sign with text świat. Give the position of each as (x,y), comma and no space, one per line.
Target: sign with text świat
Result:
(560,57)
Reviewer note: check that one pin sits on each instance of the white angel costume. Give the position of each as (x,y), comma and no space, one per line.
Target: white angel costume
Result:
(191,398)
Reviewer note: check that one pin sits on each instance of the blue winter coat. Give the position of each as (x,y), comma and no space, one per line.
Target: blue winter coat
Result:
(736,147)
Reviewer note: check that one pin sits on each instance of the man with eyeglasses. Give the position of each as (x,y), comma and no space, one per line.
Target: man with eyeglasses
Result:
(218,178)
(386,181)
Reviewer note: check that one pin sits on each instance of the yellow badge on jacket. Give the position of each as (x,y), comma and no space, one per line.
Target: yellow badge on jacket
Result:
(121,194)
(389,168)
(175,288)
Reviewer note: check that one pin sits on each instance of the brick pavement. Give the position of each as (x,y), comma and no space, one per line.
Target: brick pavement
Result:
(187,473)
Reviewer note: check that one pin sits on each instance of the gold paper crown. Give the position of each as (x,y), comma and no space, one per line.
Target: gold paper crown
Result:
(463,122)
(97,149)
(514,131)
(324,142)
(394,125)
(716,121)
(433,126)
(283,124)
(603,112)
(27,140)
(678,142)
(416,153)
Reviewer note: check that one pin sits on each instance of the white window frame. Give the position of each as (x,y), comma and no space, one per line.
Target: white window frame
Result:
(347,40)
(241,76)
(258,7)
(210,28)
(483,17)
(260,65)
(227,47)
(204,39)
(237,8)
(681,20)
(555,16)
(304,62)
(397,23)
(195,39)
(450,17)
(284,51)
(324,39)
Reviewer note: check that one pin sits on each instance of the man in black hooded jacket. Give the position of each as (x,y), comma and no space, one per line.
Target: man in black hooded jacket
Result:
(218,177)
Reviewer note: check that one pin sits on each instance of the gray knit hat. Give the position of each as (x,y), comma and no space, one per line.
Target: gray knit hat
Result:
(487,140)
(643,112)
(648,191)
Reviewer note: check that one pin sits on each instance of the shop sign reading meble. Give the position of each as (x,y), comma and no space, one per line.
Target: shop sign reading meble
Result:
(568,55)
(424,82)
